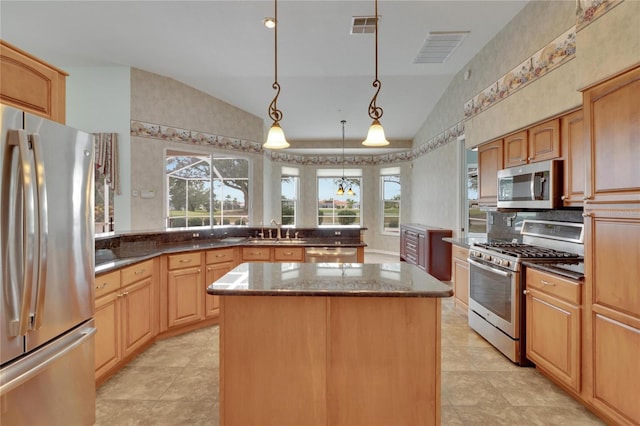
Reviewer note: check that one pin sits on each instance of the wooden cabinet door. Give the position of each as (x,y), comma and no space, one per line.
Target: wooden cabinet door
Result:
(616,369)
(516,149)
(574,147)
(107,340)
(612,233)
(30,84)
(137,308)
(612,117)
(213,273)
(544,141)
(185,296)
(460,273)
(489,162)
(288,254)
(553,337)
(256,254)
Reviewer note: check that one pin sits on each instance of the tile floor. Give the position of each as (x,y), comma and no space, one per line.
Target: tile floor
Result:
(175,382)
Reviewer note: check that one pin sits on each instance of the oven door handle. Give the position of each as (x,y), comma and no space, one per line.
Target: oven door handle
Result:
(489,268)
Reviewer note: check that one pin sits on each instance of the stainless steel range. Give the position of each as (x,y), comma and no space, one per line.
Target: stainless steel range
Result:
(496,280)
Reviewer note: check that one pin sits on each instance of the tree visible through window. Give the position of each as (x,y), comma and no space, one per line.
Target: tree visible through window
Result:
(204,190)
(391,191)
(339,210)
(289,202)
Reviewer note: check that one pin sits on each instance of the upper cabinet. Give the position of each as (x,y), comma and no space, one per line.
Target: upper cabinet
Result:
(30,84)
(489,162)
(515,149)
(574,145)
(612,126)
(539,143)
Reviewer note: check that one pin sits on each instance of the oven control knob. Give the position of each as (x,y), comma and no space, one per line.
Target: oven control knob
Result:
(505,263)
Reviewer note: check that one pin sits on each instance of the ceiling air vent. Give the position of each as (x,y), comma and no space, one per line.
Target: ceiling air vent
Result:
(439,45)
(363,25)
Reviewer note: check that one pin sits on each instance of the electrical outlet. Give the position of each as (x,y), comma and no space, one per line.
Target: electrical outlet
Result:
(337,233)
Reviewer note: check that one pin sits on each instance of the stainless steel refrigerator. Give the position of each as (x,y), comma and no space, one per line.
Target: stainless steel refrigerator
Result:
(47,269)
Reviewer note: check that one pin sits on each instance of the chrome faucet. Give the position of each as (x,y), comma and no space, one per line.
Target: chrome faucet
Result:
(279,234)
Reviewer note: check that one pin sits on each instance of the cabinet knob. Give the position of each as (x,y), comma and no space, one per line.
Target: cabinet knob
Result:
(587,214)
(564,197)
(587,197)
(530,158)
(141,271)
(101,286)
(525,292)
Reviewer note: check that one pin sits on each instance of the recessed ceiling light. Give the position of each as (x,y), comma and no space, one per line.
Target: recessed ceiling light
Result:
(269,22)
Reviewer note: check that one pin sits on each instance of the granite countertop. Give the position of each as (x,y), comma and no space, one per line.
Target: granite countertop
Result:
(117,257)
(329,279)
(465,242)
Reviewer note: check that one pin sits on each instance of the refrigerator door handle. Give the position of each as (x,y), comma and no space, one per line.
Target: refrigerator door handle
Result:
(43,228)
(19,138)
(25,371)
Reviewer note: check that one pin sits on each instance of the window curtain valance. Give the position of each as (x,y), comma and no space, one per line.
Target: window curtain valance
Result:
(106,145)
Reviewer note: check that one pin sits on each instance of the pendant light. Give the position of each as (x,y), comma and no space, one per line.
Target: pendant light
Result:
(275,138)
(376,137)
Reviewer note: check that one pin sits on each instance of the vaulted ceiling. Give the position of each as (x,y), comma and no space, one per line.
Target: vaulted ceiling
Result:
(222,48)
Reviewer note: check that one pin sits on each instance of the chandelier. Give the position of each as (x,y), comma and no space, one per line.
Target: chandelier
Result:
(343,182)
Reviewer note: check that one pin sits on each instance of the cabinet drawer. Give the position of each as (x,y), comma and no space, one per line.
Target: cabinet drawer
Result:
(461,253)
(134,273)
(184,260)
(219,256)
(256,253)
(554,285)
(288,254)
(107,283)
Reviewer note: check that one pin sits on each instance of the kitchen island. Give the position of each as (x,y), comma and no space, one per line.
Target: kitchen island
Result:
(339,344)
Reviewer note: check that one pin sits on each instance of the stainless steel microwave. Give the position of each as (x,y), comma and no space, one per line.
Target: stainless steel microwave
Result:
(532,186)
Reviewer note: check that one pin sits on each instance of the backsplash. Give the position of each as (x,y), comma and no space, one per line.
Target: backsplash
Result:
(507,225)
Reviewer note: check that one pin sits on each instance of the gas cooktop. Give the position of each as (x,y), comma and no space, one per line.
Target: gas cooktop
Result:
(525,251)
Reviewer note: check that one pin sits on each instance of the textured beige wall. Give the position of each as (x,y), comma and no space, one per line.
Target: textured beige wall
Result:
(610,44)
(162,100)
(435,188)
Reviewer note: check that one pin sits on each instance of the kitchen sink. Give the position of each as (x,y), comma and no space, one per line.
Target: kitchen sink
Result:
(274,241)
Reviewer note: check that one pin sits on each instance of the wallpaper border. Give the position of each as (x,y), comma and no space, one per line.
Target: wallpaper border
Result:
(193,137)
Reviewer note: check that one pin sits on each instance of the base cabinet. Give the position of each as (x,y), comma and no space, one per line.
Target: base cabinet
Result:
(422,246)
(553,326)
(185,303)
(217,263)
(125,315)
(460,278)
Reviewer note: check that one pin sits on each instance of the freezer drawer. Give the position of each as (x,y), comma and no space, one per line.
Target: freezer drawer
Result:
(53,385)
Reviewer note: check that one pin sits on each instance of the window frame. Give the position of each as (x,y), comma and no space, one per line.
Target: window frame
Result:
(336,175)
(212,180)
(290,173)
(108,215)
(386,173)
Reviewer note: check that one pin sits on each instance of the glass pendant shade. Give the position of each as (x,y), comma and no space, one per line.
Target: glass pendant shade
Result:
(340,190)
(275,138)
(350,192)
(375,137)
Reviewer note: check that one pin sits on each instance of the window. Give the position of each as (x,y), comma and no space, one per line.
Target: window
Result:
(339,210)
(289,202)
(476,219)
(391,195)
(205,190)
(103,204)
